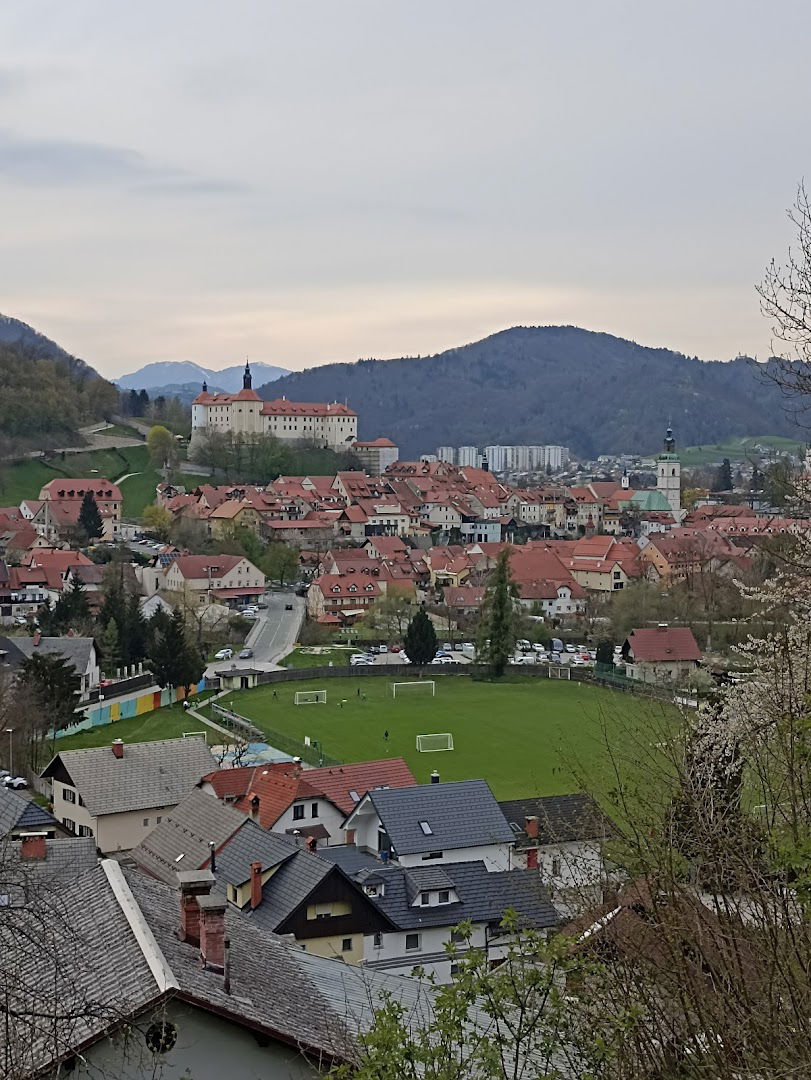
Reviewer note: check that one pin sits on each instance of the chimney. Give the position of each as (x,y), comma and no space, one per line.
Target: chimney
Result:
(212,932)
(434,777)
(256,885)
(33,845)
(255,808)
(312,843)
(531,827)
(118,748)
(194,885)
(213,856)
(37,638)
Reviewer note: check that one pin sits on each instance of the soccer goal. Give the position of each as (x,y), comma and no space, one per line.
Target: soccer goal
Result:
(311,697)
(407,687)
(559,671)
(430,743)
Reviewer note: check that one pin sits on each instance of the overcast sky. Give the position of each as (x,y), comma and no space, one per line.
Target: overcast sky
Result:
(305,182)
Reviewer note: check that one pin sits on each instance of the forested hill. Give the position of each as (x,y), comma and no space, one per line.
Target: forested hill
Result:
(546,384)
(45,394)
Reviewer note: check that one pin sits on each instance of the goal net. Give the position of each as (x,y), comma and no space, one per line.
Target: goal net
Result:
(311,697)
(407,687)
(559,671)
(429,743)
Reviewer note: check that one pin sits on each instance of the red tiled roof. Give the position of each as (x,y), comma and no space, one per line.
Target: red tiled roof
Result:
(65,488)
(283,407)
(197,566)
(663,643)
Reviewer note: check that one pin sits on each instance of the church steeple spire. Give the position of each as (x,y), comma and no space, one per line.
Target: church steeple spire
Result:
(670,442)
(246,378)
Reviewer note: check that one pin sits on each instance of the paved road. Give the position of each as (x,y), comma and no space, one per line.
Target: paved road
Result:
(273,635)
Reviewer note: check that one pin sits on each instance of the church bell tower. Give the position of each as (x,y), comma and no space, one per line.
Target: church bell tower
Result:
(668,472)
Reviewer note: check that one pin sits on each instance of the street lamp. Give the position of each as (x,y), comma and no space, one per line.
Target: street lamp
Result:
(10,731)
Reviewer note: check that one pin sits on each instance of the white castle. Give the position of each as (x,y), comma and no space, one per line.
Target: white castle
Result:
(332,425)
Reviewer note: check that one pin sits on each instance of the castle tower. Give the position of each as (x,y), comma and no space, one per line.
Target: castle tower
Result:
(668,472)
(246,378)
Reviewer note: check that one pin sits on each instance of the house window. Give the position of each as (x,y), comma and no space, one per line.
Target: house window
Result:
(425,898)
(444,896)
(69,824)
(556,866)
(69,795)
(432,855)
(314,809)
(298,812)
(412,942)
(378,940)
(146,822)
(85,830)
(346,944)
(454,970)
(158,820)
(426,828)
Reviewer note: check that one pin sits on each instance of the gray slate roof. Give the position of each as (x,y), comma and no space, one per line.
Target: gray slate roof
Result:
(250,844)
(106,947)
(483,895)
(562,819)
(66,858)
(18,812)
(460,815)
(77,650)
(181,840)
(150,775)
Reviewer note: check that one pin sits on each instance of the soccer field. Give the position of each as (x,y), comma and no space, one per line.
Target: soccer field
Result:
(526,737)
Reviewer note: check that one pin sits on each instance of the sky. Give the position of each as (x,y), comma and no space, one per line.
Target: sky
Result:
(312,182)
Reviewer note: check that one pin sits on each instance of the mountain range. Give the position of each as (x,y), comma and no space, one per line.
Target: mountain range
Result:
(592,392)
(182,378)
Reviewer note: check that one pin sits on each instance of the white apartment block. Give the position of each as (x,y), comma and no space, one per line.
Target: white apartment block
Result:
(446,453)
(468,456)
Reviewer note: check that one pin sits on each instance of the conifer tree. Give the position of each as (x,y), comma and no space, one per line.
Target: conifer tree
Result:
(90,521)
(419,643)
(498,623)
(111,647)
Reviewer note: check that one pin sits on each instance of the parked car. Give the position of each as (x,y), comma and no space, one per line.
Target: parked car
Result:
(3,774)
(442,660)
(20,620)
(361,662)
(538,647)
(249,614)
(523,645)
(523,658)
(578,662)
(457,646)
(554,658)
(448,647)
(245,654)
(395,649)
(224,654)
(15,782)
(569,647)
(261,604)
(383,649)
(468,646)
(440,653)
(374,649)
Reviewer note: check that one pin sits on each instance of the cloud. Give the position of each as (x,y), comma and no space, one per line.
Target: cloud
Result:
(11,79)
(49,162)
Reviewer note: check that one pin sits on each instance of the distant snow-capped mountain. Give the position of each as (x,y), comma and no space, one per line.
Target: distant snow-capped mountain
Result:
(174,375)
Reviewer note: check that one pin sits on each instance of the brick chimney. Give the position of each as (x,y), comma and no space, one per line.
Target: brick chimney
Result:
(37,637)
(531,827)
(256,885)
(118,748)
(194,886)
(212,932)
(255,807)
(33,845)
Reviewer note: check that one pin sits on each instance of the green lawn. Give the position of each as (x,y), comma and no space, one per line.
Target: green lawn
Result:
(527,736)
(167,723)
(24,479)
(737,450)
(317,656)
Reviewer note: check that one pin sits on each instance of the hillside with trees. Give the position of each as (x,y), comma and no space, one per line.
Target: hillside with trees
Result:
(547,384)
(45,394)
